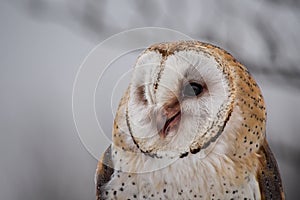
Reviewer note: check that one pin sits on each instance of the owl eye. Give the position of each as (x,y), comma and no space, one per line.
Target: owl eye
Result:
(192,89)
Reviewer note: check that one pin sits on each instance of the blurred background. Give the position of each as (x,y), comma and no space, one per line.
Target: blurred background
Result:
(43,43)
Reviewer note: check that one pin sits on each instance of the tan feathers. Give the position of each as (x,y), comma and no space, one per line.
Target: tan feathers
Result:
(210,146)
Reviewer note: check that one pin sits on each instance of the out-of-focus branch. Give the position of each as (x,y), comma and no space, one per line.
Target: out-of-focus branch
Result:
(241,28)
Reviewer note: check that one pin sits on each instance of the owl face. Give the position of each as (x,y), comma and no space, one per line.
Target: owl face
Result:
(176,96)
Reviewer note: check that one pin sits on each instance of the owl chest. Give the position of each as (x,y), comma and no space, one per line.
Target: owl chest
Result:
(183,179)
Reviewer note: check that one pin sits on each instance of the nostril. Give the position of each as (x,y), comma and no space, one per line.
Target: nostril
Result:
(166,117)
(174,106)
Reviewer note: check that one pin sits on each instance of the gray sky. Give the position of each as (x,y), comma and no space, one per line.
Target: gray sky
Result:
(44,42)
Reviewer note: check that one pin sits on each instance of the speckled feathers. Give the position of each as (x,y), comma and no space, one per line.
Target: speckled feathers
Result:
(208,146)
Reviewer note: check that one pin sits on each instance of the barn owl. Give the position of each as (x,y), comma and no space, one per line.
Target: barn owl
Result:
(191,125)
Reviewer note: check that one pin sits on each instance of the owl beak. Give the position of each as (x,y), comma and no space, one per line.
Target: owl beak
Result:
(168,118)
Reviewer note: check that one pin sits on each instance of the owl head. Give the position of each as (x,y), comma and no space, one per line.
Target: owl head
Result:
(182,96)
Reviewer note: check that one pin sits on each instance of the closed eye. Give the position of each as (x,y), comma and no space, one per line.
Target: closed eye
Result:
(141,94)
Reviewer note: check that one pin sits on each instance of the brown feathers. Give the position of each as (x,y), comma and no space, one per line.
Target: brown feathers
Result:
(268,175)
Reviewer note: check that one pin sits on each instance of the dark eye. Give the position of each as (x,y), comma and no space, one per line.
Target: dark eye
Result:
(192,89)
